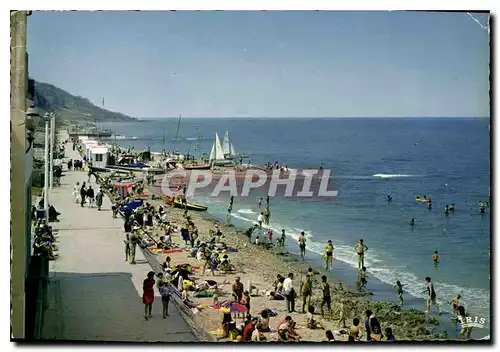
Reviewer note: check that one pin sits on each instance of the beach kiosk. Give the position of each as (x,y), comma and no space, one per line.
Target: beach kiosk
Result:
(99,156)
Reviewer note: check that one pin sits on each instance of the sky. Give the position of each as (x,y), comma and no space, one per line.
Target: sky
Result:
(266,64)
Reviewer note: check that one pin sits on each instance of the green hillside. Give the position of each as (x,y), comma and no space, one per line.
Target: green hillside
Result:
(72,108)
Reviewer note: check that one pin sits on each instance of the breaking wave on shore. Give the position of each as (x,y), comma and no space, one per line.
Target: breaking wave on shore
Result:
(376,267)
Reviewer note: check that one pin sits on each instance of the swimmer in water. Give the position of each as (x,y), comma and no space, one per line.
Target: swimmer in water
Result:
(389,198)
(452,207)
(435,258)
(399,286)
(446,209)
(411,222)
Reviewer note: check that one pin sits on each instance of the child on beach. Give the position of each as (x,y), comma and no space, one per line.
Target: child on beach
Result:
(455,303)
(270,237)
(435,258)
(388,335)
(399,286)
(362,278)
(260,219)
(343,312)
(354,330)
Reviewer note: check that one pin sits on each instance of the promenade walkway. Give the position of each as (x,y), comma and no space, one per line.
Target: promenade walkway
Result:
(93,293)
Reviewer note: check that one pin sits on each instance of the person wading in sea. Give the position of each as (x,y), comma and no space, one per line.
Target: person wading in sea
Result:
(431,296)
(302,245)
(361,248)
(329,255)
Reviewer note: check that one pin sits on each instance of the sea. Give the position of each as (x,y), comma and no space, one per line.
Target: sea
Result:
(446,159)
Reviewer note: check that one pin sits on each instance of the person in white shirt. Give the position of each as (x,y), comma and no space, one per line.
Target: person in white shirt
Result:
(260,219)
(289,293)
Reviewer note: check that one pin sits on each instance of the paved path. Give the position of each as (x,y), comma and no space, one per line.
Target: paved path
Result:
(93,293)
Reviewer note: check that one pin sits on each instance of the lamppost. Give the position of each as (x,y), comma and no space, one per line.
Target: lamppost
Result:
(46,171)
(51,158)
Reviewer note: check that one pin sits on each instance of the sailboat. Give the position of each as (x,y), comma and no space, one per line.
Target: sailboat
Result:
(217,156)
(228,148)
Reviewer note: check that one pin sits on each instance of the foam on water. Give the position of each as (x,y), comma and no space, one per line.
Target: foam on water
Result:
(392,175)
(414,285)
(246,211)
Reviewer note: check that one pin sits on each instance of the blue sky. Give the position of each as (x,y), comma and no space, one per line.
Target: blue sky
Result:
(266,64)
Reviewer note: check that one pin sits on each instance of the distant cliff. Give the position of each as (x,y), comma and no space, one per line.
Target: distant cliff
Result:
(72,108)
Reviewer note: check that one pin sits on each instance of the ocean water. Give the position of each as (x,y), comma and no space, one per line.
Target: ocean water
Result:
(447,159)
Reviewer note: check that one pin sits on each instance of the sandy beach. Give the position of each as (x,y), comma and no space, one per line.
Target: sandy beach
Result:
(259,267)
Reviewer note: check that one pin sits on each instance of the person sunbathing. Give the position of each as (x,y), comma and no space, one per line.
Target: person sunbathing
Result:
(225,265)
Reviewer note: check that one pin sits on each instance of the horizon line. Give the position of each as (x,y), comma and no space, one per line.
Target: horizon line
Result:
(313,117)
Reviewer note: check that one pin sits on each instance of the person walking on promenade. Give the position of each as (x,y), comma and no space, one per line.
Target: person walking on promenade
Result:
(134,239)
(128,229)
(83,194)
(361,248)
(98,199)
(302,245)
(148,295)
(91,196)
(76,192)
(166,293)
(289,293)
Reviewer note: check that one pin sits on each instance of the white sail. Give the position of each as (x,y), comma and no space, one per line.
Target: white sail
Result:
(232,151)
(219,153)
(226,149)
(212,153)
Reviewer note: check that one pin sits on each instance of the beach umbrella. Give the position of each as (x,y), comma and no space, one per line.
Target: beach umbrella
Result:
(229,307)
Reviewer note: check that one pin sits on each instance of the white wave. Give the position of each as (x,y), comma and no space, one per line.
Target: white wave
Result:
(246,211)
(474,299)
(391,175)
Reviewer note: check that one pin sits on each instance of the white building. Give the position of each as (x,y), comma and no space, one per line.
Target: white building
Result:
(98,156)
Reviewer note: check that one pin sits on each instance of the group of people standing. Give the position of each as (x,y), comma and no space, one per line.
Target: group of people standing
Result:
(86,195)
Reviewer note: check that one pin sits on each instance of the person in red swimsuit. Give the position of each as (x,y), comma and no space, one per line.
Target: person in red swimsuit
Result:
(148,295)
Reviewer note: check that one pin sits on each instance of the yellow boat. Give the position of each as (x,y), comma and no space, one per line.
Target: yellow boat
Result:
(189,206)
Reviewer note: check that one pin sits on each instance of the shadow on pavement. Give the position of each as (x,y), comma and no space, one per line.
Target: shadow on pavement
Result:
(106,307)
